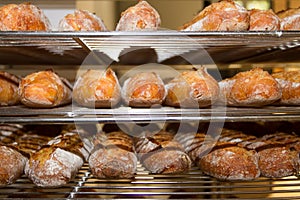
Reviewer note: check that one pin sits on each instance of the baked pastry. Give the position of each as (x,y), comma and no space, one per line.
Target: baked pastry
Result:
(264,20)
(225,15)
(113,156)
(44,89)
(160,153)
(290,84)
(222,160)
(23,17)
(56,163)
(97,88)
(144,89)
(81,20)
(141,16)
(290,19)
(255,87)
(192,89)
(9,85)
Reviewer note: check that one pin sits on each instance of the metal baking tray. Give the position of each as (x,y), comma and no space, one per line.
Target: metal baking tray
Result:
(164,46)
(73,113)
(144,185)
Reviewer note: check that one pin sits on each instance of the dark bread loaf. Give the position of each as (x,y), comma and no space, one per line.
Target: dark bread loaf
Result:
(143,90)
(97,88)
(161,153)
(222,160)
(9,85)
(192,89)
(113,156)
(275,158)
(44,89)
(56,163)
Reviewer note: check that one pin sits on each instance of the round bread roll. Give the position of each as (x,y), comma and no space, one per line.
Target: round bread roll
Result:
(263,20)
(9,85)
(23,17)
(225,15)
(139,17)
(290,19)
(81,20)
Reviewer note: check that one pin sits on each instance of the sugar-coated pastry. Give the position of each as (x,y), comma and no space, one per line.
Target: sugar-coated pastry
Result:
(225,15)
(23,17)
(263,20)
(81,20)
(290,19)
(142,16)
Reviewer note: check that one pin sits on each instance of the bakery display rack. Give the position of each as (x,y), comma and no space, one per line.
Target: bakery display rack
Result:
(167,47)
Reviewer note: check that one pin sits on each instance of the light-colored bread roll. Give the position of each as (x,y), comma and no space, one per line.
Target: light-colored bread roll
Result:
(255,87)
(44,89)
(23,17)
(225,15)
(81,20)
(9,85)
(144,89)
(264,20)
(141,16)
(290,84)
(97,88)
(290,19)
(192,89)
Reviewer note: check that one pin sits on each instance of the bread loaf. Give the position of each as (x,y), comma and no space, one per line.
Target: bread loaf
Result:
(264,20)
(81,20)
(144,89)
(97,88)
(222,160)
(56,163)
(290,19)
(192,89)
(44,89)
(161,153)
(113,156)
(23,17)
(9,85)
(225,15)
(290,84)
(141,16)
(250,88)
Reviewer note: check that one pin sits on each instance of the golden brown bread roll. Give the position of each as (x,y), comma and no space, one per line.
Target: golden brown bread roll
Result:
(9,85)
(113,156)
(97,88)
(290,84)
(56,163)
(144,89)
(255,87)
(142,16)
(44,89)
(161,153)
(23,17)
(12,165)
(224,15)
(192,89)
(290,19)
(81,20)
(263,20)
